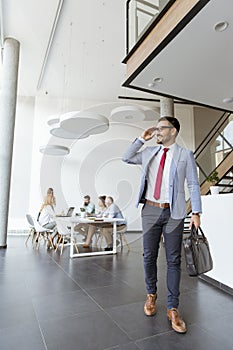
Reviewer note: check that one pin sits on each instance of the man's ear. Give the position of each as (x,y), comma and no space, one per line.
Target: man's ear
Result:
(174,131)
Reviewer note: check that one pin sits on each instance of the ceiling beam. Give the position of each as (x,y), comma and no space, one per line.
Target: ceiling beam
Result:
(51,36)
(1,29)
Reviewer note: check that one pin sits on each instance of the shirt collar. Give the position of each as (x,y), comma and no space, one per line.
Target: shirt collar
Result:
(170,147)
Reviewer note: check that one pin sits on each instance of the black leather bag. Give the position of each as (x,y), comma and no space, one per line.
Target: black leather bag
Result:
(197,253)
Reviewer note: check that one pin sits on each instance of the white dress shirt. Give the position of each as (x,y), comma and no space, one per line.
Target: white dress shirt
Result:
(152,175)
(47,215)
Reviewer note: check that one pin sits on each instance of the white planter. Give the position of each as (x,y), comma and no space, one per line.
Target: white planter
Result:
(214,189)
(83,214)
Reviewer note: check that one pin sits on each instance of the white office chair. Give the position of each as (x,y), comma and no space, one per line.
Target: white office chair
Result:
(41,232)
(64,234)
(32,231)
(121,235)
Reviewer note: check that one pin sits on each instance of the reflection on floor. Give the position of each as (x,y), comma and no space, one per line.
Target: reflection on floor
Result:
(51,302)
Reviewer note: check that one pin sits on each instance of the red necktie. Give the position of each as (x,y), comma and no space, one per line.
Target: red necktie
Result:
(160,174)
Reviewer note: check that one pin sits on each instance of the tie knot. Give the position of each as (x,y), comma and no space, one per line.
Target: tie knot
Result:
(165,150)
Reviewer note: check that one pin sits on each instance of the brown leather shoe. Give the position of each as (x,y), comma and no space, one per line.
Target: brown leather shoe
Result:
(150,305)
(86,245)
(176,321)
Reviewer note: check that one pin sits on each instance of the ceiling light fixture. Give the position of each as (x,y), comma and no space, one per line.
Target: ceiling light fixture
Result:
(52,119)
(57,131)
(221,26)
(54,150)
(127,113)
(84,123)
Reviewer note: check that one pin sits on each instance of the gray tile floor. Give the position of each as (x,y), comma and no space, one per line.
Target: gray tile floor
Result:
(51,302)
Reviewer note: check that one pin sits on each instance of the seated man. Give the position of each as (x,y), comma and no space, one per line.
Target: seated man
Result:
(88,205)
(112,211)
(92,227)
(90,210)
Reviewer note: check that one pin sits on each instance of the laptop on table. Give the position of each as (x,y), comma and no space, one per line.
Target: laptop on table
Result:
(68,214)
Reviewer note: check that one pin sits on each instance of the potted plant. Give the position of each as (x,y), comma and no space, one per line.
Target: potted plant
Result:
(213,179)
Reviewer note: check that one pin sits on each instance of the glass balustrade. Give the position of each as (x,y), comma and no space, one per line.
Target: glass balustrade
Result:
(140,15)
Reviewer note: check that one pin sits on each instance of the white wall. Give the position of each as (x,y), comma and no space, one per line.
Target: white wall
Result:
(93,166)
(217,226)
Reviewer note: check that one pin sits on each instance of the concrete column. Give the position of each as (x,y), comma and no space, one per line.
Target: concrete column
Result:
(8,95)
(166,107)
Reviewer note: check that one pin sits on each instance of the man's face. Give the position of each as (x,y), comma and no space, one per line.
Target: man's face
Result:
(165,133)
(86,201)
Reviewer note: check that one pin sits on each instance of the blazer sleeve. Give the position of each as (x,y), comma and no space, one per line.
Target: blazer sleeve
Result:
(132,155)
(193,183)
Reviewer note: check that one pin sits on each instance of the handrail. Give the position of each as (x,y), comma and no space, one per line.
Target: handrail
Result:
(227,114)
(216,168)
(210,137)
(216,131)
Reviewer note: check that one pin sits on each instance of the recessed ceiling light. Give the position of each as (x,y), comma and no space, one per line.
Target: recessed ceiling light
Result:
(150,85)
(158,80)
(128,117)
(155,81)
(221,26)
(228,100)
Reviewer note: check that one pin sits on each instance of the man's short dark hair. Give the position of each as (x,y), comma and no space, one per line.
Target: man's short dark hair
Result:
(173,121)
(87,197)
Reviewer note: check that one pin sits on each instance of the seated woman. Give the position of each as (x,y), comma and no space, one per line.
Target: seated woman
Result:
(47,215)
(92,227)
(113,211)
(50,193)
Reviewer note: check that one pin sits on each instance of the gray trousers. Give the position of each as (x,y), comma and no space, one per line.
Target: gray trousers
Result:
(155,222)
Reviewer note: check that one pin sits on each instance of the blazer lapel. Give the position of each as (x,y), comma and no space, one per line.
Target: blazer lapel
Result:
(153,152)
(175,159)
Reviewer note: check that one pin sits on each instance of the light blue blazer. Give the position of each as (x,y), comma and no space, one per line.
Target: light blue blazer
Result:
(183,167)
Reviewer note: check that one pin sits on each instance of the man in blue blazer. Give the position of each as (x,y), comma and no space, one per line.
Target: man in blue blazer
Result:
(165,168)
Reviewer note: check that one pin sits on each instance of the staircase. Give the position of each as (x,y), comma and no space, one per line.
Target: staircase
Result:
(226,183)
(225,171)
(216,153)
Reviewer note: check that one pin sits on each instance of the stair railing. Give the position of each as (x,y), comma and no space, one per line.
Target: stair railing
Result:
(215,147)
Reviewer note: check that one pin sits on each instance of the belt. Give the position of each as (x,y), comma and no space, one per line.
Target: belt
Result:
(159,205)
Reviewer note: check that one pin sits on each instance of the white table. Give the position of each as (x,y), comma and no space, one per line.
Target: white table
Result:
(77,220)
